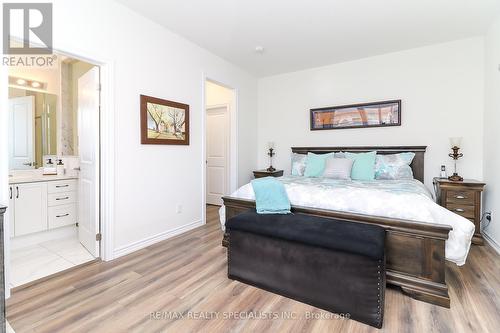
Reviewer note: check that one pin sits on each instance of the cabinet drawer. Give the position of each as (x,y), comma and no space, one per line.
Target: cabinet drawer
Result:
(460,197)
(62,198)
(60,216)
(61,186)
(463,210)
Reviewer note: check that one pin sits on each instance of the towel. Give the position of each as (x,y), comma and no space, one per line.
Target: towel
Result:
(270,196)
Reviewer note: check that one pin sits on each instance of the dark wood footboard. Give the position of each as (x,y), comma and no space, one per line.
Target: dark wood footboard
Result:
(415,250)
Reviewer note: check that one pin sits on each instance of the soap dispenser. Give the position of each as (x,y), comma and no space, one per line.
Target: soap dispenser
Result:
(60,168)
(49,168)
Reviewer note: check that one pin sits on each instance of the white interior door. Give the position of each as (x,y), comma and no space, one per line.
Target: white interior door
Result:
(21,138)
(88,144)
(217,154)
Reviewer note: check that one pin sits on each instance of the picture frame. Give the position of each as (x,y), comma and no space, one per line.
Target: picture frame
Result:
(164,122)
(374,114)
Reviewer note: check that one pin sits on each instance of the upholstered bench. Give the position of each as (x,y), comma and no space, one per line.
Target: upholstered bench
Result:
(334,265)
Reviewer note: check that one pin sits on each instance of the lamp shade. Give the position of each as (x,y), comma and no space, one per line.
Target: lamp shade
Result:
(456,141)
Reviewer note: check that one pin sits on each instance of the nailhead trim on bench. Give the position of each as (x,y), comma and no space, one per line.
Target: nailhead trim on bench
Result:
(378,292)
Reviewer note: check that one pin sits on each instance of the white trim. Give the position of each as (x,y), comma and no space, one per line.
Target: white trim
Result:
(203,150)
(233,158)
(492,242)
(107,149)
(107,139)
(106,143)
(135,246)
(4,170)
(234,137)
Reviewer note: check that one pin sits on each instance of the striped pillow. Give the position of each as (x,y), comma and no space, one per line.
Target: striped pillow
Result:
(338,168)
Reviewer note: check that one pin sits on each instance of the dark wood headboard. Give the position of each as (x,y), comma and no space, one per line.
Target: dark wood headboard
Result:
(417,164)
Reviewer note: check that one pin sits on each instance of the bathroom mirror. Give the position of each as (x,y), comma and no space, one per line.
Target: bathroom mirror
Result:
(43,113)
(33,128)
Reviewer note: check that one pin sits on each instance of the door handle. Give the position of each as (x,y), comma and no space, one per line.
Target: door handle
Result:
(10,189)
(64,215)
(17,192)
(65,198)
(460,210)
(58,186)
(459,197)
(77,169)
(28,163)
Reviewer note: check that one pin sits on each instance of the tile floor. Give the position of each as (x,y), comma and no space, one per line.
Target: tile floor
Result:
(43,259)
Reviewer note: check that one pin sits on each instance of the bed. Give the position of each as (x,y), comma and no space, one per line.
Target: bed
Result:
(415,247)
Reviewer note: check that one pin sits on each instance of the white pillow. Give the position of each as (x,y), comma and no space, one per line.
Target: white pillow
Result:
(338,168)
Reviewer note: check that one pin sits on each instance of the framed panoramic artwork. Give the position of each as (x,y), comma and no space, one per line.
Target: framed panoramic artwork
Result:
(164,122)
(377,114)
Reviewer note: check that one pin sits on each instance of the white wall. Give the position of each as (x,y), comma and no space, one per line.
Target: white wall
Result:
(150,180)
(491,133)
(217,94)
(441,88)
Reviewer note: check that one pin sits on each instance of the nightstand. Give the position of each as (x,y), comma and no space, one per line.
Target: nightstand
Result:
(462,198)
(265,173)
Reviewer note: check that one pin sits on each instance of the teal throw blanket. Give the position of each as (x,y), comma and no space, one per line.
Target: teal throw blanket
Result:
(270,196)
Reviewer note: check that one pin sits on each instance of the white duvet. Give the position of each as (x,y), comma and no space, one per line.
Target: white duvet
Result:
(403,199)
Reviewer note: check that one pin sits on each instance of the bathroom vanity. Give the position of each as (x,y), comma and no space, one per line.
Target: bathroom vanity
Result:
(37,141)
(39,203)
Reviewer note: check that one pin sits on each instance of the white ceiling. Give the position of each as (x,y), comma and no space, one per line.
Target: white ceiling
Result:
(299,34)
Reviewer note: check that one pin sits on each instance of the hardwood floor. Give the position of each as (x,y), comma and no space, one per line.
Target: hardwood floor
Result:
(163,287)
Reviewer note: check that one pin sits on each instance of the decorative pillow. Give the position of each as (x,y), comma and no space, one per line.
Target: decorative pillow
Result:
(315,164)
(340,154)
(338,168)
(363,167)
(298,164)
(394,166)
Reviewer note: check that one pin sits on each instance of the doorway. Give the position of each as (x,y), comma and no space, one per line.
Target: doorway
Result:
(220,168)
(53,169)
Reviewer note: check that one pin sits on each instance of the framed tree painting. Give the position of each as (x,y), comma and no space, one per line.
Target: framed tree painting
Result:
(378,114)
(164,122)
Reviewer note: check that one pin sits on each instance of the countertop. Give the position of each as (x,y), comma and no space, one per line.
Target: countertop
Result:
(20,179)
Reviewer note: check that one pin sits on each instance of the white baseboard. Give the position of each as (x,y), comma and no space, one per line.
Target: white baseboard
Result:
(494,244)
(124,250)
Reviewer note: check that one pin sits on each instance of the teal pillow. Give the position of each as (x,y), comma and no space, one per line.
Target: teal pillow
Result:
(315,164)
(363,167)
